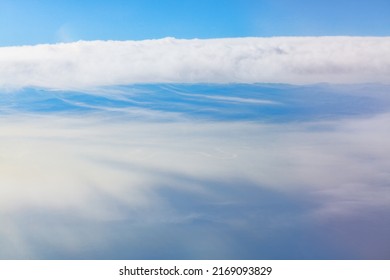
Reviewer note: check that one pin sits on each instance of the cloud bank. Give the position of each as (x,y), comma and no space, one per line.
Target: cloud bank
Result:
(294,60)
(73,184)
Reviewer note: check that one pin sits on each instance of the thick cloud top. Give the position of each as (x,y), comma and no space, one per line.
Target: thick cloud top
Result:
(296,60)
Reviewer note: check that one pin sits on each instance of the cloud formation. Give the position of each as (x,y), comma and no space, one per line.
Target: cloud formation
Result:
(295,60)
(76,176)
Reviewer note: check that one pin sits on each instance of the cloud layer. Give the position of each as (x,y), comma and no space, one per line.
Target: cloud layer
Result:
(80,185)
(295,60)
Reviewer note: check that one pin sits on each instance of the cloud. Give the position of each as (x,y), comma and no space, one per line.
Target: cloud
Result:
(296,60)
(77,176)
(59,160)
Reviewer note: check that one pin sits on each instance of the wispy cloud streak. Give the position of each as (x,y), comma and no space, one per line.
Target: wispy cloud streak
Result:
(48,155)
(107,172)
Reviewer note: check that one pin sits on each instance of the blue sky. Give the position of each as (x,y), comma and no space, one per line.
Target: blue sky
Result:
(230,148)
(215,174)
(45,21)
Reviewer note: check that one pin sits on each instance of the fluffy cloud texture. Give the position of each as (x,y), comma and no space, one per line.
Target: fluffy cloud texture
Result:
(296,60)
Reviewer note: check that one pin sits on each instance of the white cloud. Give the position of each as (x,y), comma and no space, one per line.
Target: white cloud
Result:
(62,161)
(90,173)
(296,60)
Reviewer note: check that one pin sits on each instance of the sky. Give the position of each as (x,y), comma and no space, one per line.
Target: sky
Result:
(45,21)
(235,129)
(249,171)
